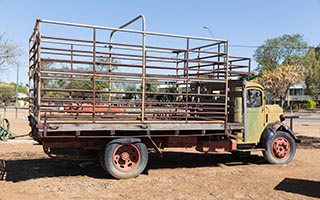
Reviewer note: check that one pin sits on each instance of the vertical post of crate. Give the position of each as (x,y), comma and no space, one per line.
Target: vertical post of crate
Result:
(226,63)
(144,70)
(94,77)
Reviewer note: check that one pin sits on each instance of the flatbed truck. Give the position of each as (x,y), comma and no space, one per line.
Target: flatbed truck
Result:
(115,94)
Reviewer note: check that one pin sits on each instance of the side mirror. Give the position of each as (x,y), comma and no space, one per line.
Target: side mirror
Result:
(282,118)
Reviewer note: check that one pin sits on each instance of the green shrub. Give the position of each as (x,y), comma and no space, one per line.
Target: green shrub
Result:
(306,104)
(294,106)
(309,104)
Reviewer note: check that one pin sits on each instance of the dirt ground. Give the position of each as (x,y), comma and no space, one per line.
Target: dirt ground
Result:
(178,175)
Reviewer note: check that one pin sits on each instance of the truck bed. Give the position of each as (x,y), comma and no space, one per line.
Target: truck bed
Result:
(86,85)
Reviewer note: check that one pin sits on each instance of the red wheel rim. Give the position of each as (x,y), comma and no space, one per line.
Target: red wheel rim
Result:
(126,157)
(281,148)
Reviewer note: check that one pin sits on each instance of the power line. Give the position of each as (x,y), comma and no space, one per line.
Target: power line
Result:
(255,47)
(243,46)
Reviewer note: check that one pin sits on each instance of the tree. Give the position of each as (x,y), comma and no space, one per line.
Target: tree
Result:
(312,64)
(21,88)
(251,76)
(7,93)
(317,52)
(103,64)
(283,50)
(150,88)
(131,87)
(76,82)
(8,52)
(279,80)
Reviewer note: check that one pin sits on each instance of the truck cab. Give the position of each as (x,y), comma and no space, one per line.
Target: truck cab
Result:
(264,128)
(258,113)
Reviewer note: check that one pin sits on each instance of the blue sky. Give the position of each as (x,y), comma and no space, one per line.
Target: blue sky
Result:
(245,22)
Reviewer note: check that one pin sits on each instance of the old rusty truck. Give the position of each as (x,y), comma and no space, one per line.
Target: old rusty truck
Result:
(117,94)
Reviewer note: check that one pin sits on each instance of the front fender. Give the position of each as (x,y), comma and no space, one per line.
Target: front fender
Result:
(271,129)
(287,129)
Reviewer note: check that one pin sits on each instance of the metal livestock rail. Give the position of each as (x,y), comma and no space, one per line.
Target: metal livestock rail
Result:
(98,82)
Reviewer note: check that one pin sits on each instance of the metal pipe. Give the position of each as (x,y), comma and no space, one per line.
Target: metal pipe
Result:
(131,31)
(94,75)
(128,23)
(226,89)
(143,55)
(244,109)
(38,71)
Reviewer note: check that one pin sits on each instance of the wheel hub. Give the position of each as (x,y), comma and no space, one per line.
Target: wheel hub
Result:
(281,148)
(126,157)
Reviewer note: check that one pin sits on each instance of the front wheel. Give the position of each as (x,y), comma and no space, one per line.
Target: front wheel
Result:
(280,148)
(125,158)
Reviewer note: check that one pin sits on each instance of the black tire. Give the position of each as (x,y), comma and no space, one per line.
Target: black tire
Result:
(280,148)
(125,158)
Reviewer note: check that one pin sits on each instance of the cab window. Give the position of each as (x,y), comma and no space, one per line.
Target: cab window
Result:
(254,98)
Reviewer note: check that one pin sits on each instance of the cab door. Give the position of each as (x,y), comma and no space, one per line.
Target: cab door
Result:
(255,116)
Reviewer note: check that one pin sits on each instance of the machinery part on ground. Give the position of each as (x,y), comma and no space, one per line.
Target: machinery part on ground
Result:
(5,132)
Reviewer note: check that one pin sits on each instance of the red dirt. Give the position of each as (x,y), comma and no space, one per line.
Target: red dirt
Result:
(186,174)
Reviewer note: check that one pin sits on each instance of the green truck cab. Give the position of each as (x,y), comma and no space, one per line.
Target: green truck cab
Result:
(265,129)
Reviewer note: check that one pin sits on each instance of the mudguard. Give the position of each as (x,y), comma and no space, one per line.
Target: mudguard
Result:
(271,129)
(287,129)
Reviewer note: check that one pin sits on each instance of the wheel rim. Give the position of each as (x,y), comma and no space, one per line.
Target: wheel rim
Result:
(281,148)
(126,157)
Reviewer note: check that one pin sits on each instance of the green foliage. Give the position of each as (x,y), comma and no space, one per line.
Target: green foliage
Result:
(167,96)
(7,93)
(286,49)
(150,88)
(130,87)
(309,104)
(317,52)
(103,64)
(21,88)
(312,65)
(81,85)
(250,77)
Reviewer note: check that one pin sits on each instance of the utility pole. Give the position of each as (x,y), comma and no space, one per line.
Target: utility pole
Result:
(17,87)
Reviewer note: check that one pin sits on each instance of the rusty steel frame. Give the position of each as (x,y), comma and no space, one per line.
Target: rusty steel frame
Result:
(68,61)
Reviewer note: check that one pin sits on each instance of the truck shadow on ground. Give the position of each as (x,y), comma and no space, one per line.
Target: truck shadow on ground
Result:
(308,142)
(22,170)
(300,186)
(173,160)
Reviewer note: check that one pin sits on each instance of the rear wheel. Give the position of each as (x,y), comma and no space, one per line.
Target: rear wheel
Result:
(125,158)
(280,148)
